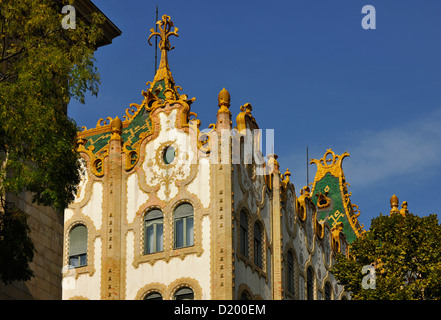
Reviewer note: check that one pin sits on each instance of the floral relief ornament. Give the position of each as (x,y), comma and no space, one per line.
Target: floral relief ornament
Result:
(159,172)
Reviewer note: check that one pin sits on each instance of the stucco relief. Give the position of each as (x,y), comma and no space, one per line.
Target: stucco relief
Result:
(327,247)
(252,186)
(159,173)
(290,211)
(300,246)
(84,179)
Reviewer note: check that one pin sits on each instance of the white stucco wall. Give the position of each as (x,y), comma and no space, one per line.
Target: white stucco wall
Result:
(200,186)
(135,197)
(93,209)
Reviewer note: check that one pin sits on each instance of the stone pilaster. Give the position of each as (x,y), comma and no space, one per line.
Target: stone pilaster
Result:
(111,229)
(222,267)
(276,234)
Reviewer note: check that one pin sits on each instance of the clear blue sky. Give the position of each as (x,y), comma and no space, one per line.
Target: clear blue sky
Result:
(311,72)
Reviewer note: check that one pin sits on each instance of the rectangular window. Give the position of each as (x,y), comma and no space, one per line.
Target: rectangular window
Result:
(77,261)
(179,233)
(189,231)
(159,237)
(257,253)
(184,232)
(78,246)
(154,236)
(244,241)
(150,239)
(290,278)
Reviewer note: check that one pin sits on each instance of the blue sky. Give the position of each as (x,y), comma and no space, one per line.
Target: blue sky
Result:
(311,73)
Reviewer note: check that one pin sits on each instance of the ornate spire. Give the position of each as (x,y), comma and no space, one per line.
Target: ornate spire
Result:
(163,84)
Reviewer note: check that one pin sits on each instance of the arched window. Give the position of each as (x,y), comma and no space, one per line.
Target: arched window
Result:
(290,271)
(243,233)
(78,246)
(310,283)
(184,225)
(184,293)
(153,231)
(328,291)
(257,245)
(153,296)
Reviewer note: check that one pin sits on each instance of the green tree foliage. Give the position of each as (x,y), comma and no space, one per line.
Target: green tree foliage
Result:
(42,67)
(406,254)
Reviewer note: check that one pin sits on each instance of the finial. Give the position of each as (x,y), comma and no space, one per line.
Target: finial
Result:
(163,81)
(81,141)
(164,27)
(286,176)
(404,210)
(116,129)
(247,108)
(394,204)
(306,191)
(224,101)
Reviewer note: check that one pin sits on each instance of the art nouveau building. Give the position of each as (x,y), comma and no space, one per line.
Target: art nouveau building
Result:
(165,211)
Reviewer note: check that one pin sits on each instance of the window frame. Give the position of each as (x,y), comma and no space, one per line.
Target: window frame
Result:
(290,272)
(258,243)
(244,234)
(157,296)
(156,219)
(327,294)
(81,256)
(177,294)
(309,283)
(185,220)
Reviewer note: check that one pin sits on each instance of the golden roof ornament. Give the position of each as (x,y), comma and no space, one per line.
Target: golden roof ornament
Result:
(245,117)
(116,129)
(404,210)
(163,84)
(163,89)
(394,205)
(329,163)
(224,101)
(287,174)
(330,188)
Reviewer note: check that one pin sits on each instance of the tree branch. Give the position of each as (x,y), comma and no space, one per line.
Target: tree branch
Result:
(13,55)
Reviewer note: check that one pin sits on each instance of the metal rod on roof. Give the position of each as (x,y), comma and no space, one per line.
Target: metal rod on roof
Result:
(156,42)
(307,167)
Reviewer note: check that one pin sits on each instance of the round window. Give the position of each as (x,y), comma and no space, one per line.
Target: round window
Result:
(169,155)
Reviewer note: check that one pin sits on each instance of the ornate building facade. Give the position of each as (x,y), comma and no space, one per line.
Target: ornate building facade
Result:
(165,211)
